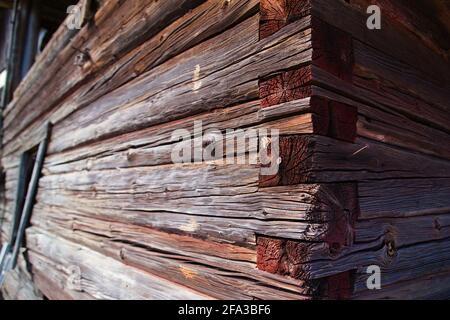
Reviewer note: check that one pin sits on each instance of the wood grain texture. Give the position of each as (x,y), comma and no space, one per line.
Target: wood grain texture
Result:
(153,104)
(99,276)
(202,209)
(98,80)
(208,267)
(363,177)
(101,49)
(276,14)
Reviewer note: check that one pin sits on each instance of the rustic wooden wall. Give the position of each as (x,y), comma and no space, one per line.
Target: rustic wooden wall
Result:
(392,178)
(364,176)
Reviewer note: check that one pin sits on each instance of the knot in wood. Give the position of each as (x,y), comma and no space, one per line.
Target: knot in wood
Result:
(391,249)
(122,254)
(81,58)
(130,154)
(226,3)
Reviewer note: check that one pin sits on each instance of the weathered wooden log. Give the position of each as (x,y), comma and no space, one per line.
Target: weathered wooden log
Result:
(276,14)
(87,271)
(129,33)
(244,88)
(376,122)
(362,168)
(390,39)
(206,217)
(205,266)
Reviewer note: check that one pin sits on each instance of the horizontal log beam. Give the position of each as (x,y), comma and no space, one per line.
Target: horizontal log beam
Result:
(99,276)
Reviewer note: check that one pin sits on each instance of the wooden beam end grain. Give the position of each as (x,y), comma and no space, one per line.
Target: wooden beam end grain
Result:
(330,118)
(295,156)
(275,14)
(282,256)
(285,86)
(337,207)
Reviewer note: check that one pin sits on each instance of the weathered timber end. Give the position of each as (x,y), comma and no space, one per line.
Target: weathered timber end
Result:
(363,153)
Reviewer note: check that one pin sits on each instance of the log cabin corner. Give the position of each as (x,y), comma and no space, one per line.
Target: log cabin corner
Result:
(100,96)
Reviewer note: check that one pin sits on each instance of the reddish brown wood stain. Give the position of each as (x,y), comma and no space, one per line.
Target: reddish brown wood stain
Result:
(334,119)
(332,50)
(284,257)
(281,256)
(343,200)
(286,86)
(288,257)
(111,198)
(294,163)
(330,118)
(339,286)
(270,253)
(275,14)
